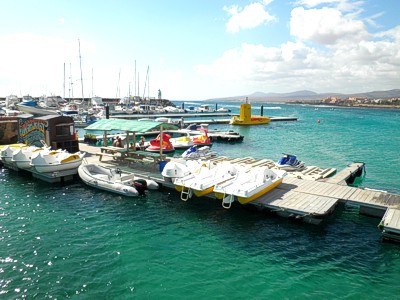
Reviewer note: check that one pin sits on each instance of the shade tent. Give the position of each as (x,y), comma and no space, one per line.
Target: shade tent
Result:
(129,126)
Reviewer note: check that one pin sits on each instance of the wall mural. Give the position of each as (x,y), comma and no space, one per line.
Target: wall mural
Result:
(32,131)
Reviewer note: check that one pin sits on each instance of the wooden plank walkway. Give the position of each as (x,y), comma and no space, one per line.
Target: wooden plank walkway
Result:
(290,203)
(390,224)
(350,172)
(311,200)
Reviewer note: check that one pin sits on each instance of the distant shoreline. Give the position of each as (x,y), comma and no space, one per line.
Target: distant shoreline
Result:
(355,105)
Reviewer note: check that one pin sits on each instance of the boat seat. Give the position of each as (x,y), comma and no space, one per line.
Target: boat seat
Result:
(101,176)
(127,177)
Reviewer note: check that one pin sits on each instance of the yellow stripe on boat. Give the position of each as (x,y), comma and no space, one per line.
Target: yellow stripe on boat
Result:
(199,193)
(70,158)
(243,200)
(219,196)
(20,145)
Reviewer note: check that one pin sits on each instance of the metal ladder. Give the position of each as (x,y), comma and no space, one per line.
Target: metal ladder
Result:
(186,194)
(227,201)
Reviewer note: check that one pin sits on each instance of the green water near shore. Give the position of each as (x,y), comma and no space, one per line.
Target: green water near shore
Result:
(72,241)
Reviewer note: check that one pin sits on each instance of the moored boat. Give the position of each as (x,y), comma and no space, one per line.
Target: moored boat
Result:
(55,162)
(114,180)
(289,162)
(246,118)
(203,139)
(202,181)
(29,105)
(198,153)
(183,142)
(175,169)
(248,185)
(159,143)
(22,157)
(8,150)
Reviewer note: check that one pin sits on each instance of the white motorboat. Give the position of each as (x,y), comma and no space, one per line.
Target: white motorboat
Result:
(202,181)
(223,109)
(289,162)
(167,120)
(70,109)
(55,162)
(29,105)
(198,153)
(114,180)
(22,157)
(248,185)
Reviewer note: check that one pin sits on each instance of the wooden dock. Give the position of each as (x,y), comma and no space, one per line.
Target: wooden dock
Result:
(310,199)
(390,225)
(208,118)
(348,174)
(53,177)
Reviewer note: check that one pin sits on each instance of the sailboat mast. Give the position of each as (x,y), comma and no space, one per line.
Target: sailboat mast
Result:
(92,82)
(147,77)
(118,87)
(80,64)
(135,78)
(64,83)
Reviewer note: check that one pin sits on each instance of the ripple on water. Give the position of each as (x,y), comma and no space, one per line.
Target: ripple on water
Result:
(63,240)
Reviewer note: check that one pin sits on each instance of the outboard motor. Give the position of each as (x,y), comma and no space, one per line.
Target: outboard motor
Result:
(140,185)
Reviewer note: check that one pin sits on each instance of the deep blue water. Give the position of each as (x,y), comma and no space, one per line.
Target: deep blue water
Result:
(72,241)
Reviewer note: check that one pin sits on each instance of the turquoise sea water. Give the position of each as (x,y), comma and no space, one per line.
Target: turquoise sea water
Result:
(71,241)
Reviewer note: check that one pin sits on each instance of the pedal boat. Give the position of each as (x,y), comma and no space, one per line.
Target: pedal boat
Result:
(248,185)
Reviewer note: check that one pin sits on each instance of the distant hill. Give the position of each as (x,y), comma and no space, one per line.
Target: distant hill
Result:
(308,95)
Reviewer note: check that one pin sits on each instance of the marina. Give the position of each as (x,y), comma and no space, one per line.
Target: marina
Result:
(301,196)
(302,199)
(67,223)
(163,150)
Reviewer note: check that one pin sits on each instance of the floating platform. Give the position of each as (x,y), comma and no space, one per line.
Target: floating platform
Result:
(310,196)
(390,225)
(219,117)
(53,177)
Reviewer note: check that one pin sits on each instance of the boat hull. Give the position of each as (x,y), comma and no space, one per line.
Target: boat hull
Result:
(36,110)
(104,182)
(252,121)
(200,193)
(56,161)
(157,150)
(50,168)
(245,200)
(25,165)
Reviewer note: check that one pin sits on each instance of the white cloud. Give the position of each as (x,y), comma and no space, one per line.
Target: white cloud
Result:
(343,5)
(251,16)
(367,65)
(326,26)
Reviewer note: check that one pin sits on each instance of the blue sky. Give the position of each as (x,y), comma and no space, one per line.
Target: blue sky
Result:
(198,49)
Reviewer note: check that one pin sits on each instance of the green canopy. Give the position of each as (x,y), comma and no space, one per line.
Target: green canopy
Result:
(128,125)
